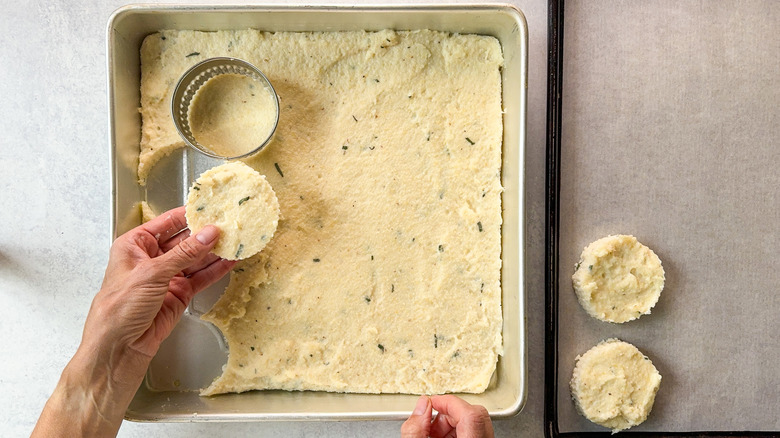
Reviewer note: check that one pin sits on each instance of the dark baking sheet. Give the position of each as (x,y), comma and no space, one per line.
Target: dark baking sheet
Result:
(705,83)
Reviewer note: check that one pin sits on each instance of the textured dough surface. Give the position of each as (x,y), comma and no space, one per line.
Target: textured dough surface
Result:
(232,114)
(384,272)
(614,385)
(618,279)
(239,201)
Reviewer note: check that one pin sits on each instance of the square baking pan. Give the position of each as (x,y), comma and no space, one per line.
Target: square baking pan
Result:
(692,177)
(194,353)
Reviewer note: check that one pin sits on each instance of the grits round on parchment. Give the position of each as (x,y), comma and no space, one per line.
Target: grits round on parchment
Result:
(617,279)
(614,385)
(238,200)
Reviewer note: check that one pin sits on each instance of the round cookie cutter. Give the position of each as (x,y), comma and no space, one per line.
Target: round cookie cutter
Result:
(196,77)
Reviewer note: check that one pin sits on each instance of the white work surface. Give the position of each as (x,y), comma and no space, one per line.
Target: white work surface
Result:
(56,196)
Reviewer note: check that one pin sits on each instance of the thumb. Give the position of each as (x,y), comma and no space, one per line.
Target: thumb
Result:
(188,251)
(419,423)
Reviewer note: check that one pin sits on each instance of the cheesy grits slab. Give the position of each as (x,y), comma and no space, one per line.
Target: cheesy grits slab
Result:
(384,272)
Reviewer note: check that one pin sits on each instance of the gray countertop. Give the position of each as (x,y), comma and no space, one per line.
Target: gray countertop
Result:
(55,210)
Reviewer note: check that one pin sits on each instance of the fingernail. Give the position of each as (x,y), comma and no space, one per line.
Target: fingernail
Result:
(422,404)
(207,235)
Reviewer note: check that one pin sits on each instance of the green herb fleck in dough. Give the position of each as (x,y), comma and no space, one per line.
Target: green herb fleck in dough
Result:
(196,188)
(411,353)
(344,147)
(435,341)
(368,299)
(242,200)
(381,347)
(469,140)
(577,266)
(355,118)
(316,260)
(162,37)
(200,208)
(392,288)
(479,226)
(192,54)
(456,354)
(441,248)
(590,267)
(252,348)
(276,165)
(240,249)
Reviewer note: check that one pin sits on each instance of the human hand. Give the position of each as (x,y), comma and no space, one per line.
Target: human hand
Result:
(153,272)
(456,418)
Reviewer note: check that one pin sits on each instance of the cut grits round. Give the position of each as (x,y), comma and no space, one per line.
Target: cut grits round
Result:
(617,279)
(239,201)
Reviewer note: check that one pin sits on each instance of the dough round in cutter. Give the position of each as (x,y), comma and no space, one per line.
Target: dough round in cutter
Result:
(238,200)
(614,385)
(618,279)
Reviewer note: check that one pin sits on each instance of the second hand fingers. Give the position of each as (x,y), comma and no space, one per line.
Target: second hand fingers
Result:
(467,419)
(441,427)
